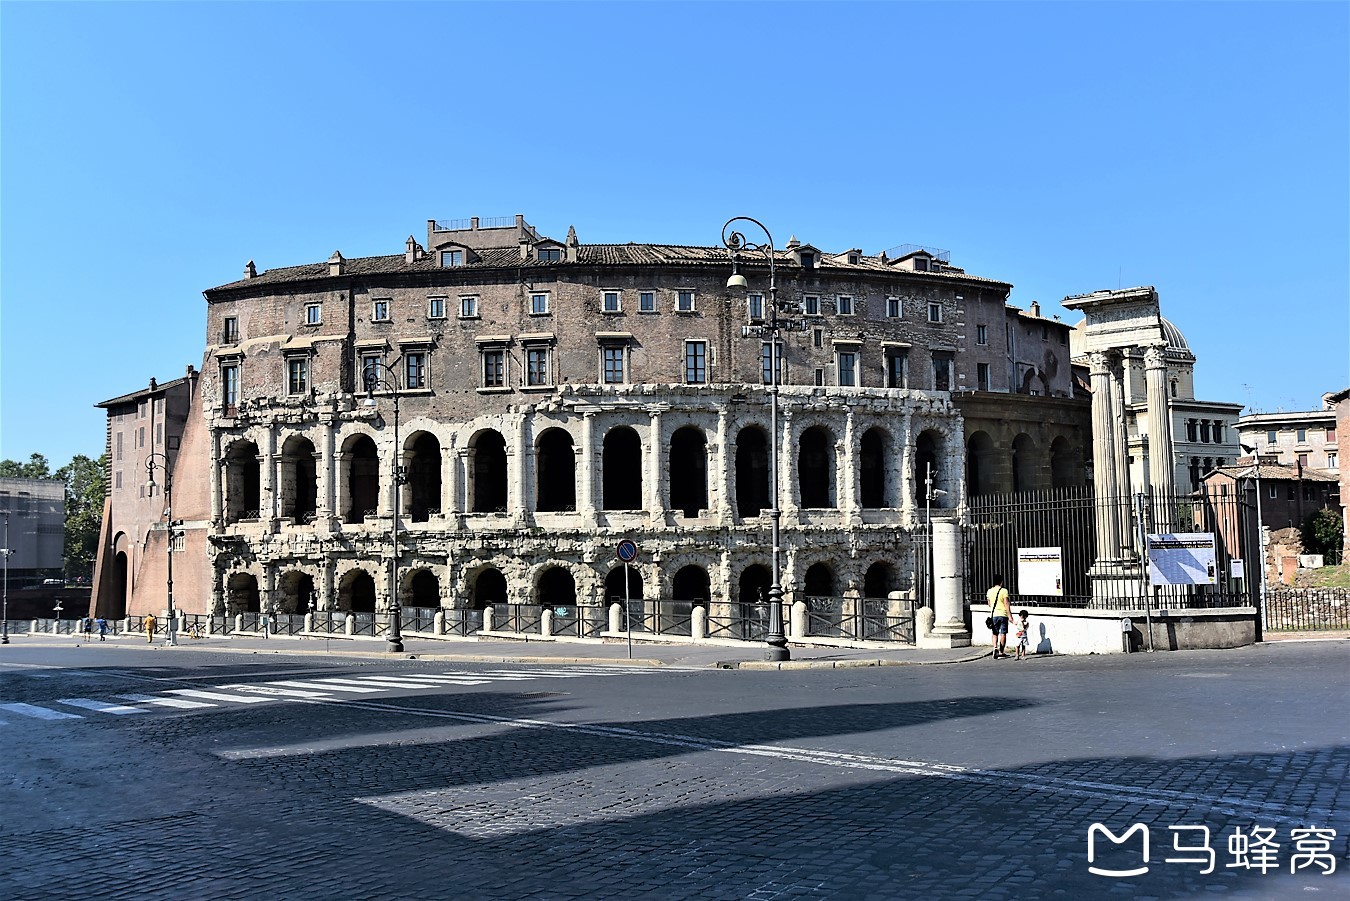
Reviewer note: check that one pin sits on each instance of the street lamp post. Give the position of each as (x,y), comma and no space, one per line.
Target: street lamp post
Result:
(391,384)
(928,494)
(736,242)
(1260,539)
(156,460)
(4,618)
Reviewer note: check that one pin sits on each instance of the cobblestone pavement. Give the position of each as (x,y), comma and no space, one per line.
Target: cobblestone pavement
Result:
(485,781)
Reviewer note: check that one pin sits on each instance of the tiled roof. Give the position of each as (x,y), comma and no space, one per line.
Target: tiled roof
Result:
(1278,472)
(587,255)
(159,388)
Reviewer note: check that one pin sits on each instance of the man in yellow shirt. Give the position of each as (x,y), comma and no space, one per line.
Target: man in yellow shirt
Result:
(999,613)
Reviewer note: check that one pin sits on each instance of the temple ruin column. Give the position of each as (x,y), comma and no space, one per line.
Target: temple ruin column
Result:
(1120,446)
(849,503)
(1106,489)
(217,520)
(652,502)
(450,479)
(1160,448)
(949,626)
(586,498)
(905,489)
(723,466)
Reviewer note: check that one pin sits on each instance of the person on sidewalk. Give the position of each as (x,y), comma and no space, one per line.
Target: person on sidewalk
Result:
(149,623)
(999,614)
(87,626)
(102,629)
(1023,627)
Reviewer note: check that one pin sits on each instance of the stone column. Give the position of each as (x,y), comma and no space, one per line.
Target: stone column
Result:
(722,466)
(339,487)
(1106,487)
(1160,448)
(462,501)
(949,626)
(789,492)
(520,491)
(586,499)
(327,476)
(217,519)
(449,500)
(850,503)
(1121,448)
(655,506)
(905,490)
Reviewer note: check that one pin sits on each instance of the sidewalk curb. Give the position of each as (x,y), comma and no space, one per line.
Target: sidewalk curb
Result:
(843,664)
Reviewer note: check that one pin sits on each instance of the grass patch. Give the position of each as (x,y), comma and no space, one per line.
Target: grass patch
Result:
(1326,577)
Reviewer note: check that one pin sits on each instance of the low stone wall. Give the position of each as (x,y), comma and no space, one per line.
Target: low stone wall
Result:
(1064,630)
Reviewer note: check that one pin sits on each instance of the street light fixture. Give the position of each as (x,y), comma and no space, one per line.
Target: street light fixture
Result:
(1260,537)
(390,383)
(736,243)
(153,462)
(928,494)
(4,617)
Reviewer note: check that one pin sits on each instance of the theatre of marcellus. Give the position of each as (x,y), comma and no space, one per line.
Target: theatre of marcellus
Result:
(554,398)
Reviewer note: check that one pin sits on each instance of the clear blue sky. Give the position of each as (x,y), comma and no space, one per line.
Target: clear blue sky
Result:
(149,150)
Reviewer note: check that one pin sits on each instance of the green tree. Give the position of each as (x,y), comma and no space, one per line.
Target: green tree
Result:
(36,468)
(1323,533)
(85,486)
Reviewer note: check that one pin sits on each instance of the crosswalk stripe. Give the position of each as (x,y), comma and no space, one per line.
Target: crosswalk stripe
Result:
(496,676)
(353,689)
(41,713)
(367,682)
(447,679)
(100,706)
(272,691)
(177,703)
(217,696)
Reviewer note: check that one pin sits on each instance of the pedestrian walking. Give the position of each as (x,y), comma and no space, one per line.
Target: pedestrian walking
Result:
(149,623)
(102,629)
(87,625)
(1022,629)
(999,613)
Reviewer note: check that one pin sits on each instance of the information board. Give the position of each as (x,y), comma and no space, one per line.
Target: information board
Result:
(1181,558)
(1040,570)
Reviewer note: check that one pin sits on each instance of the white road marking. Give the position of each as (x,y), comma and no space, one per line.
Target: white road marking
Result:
(274,692)
(389,681)
(41,713)
(216,696)
(352,689)
(101,706)
(447,679)
(178,703)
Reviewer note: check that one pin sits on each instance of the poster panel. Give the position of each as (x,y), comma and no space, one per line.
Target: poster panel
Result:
(1040,570)
(1181,558)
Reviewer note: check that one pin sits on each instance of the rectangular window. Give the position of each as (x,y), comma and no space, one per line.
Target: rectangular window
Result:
(435,307)
(381,311)
(981,334)
(140,437)
(897,370)
(808,261)
(1333,460)
(231,335)
(646,301)
(159,433)
(536,366)
(229,386)
(1289,491)
(1192,430)
(817,337)
(684,301)
(755,305)
(1273,493)
(415,370)
(297,375)
(611,302)
(1331,435)
(313,314)
(934,312)
(494,368)
(1303,460)
(1272,437)
(539,304)
(848,368)
(550,255)
(141,409)
(452,258)
(942,373)
(1045,332)
(982,376)
(372,369)
(845,305)
(892,308)
(696,362)
(612,364)
(468,306)
(1302,436)
(820,377)
(766,363)
(117,479)
(118,454)
(811,304)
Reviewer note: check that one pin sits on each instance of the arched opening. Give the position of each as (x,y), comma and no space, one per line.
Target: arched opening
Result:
(356,592)
(879,580)
(489,587)
(621,465)
(487,472)
(422,457)
(815,468)
(299,489)
(752,471)
(555,472)
(691,584)
(1066,469)
(297,593)
(614,585)
(242,482)
(754,584)
(423,589)
(873,453)
(688,471)
(241,592)
(819,581)
(980,464)
(1024,460)
(927,448)
(119,605)
(363,478)
(557,588)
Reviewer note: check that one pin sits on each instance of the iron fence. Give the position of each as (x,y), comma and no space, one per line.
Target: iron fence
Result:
(578,621)
(364,624)
(330,622)
(463,622)
(1307,609)
(745,622)
(662,617)
(419,619)
(866,619)
(524,619)
(288,624)
(1068,519)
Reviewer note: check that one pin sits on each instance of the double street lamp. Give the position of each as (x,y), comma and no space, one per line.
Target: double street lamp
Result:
(736,243)
(380,378)
(156,460)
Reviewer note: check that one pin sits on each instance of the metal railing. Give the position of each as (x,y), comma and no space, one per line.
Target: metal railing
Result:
(330,622)
(662,617)
(525,619)
(580,622)
(463,622)
(744,622)
(860,619)
(366,624)
(1306,609)
(418,619)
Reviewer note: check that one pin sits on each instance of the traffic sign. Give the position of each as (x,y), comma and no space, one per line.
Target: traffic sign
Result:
(627,550)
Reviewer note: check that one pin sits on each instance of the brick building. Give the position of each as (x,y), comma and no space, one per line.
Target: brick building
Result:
(555,397)
(1306,438)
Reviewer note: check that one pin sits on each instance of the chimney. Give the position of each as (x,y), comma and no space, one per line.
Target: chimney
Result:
(410,250)
(792,243)
(1036,308)
(335,263)
(572,244)
(153,383)
(191,371)
(250,271)
(524,246)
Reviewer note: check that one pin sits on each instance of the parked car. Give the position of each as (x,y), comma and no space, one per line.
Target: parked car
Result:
(54,583)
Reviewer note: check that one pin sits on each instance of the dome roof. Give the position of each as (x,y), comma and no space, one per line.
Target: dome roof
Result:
(1176,341)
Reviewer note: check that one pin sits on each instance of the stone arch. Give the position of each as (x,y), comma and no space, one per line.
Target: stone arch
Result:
(816,468)
(614,584)
(297,593)
(487,488)
(819,581)
(691,583)
(299,488)
(1066,466)
(752,471)
(555,472)
(621,470)
(118,610)
(1026,463)
(487,586)
(421,588)
(980,456)
(556,587)
(422,462)
(356,591)
(879,580)
(873,453)
(689,470)
(754,584)
(929,450)
(241,592)
(361,473)
(243,482)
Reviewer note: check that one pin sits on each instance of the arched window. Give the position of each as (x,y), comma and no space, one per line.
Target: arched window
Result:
(363,478)
(119,604)
(297,593)
(422,457)
(691,584)
(487,472)
(299,480)
(752,471)
(874,451)
(356,592)
(614,586)
(423,589)
(879,580)
(980,455)
(555,472)
(557,588)
(489,587)
(1025,463)
(819,581)
(621,465)
(688,471)
(242,483)
(815,468)
(242,593)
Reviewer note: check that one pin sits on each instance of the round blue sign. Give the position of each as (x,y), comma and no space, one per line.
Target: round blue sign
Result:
(627,551)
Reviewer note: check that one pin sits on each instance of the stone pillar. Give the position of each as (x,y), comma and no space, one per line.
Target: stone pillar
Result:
(1106,488)
(327,475)
(339,488)
(722,466)
(906,489)
(1160,448)
(217,519)
(1120,446)
(588,467)
(520,491)
(449,499)
(788,490)
(463,501)
(655,506)
(849,503)
(949,626)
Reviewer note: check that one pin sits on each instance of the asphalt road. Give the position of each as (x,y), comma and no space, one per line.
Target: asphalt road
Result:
(144,773)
